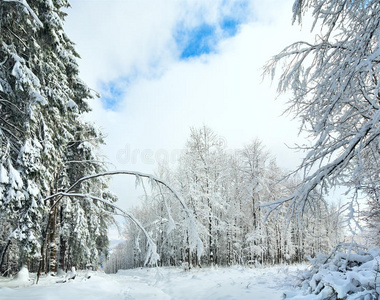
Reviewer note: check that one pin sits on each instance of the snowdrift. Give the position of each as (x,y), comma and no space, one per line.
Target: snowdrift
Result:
(349,272)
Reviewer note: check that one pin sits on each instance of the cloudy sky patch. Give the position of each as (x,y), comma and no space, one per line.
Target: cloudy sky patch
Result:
(204,38)
(195,29)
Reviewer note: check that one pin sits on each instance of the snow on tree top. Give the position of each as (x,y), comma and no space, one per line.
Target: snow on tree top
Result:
(3,175)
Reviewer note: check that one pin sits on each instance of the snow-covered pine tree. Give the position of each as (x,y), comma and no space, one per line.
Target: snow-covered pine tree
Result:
(41,100)
(84,222)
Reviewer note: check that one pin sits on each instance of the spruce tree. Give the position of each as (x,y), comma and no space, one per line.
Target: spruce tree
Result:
(43,139)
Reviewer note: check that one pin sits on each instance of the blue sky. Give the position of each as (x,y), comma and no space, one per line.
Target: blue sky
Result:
(112,93)
(204,38)
(196,41)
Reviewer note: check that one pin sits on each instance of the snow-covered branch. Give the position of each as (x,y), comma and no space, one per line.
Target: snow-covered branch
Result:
(152,255)
(194,240)
(335,84)
(26,5)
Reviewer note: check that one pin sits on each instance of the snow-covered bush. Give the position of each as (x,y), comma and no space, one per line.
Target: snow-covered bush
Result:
(349,272)
(23,275)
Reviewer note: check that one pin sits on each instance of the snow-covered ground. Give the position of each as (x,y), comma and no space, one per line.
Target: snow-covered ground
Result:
(158,283)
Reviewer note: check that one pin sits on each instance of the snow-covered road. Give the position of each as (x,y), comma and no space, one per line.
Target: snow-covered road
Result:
(162,283)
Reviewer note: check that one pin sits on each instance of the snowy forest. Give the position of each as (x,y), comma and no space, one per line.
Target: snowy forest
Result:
(226,191)
(215,207)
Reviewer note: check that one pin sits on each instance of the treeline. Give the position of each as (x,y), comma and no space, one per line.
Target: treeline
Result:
(226,192)
(45,146)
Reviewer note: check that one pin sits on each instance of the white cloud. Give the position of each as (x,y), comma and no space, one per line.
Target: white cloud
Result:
(222,90)
(113,37)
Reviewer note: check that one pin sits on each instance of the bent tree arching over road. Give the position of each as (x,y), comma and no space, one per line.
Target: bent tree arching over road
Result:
(193,240)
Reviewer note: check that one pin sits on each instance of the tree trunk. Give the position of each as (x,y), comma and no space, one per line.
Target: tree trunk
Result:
(4,252)
(63,246)
(62,254)
(52,242)
(211,254)
(188,252)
